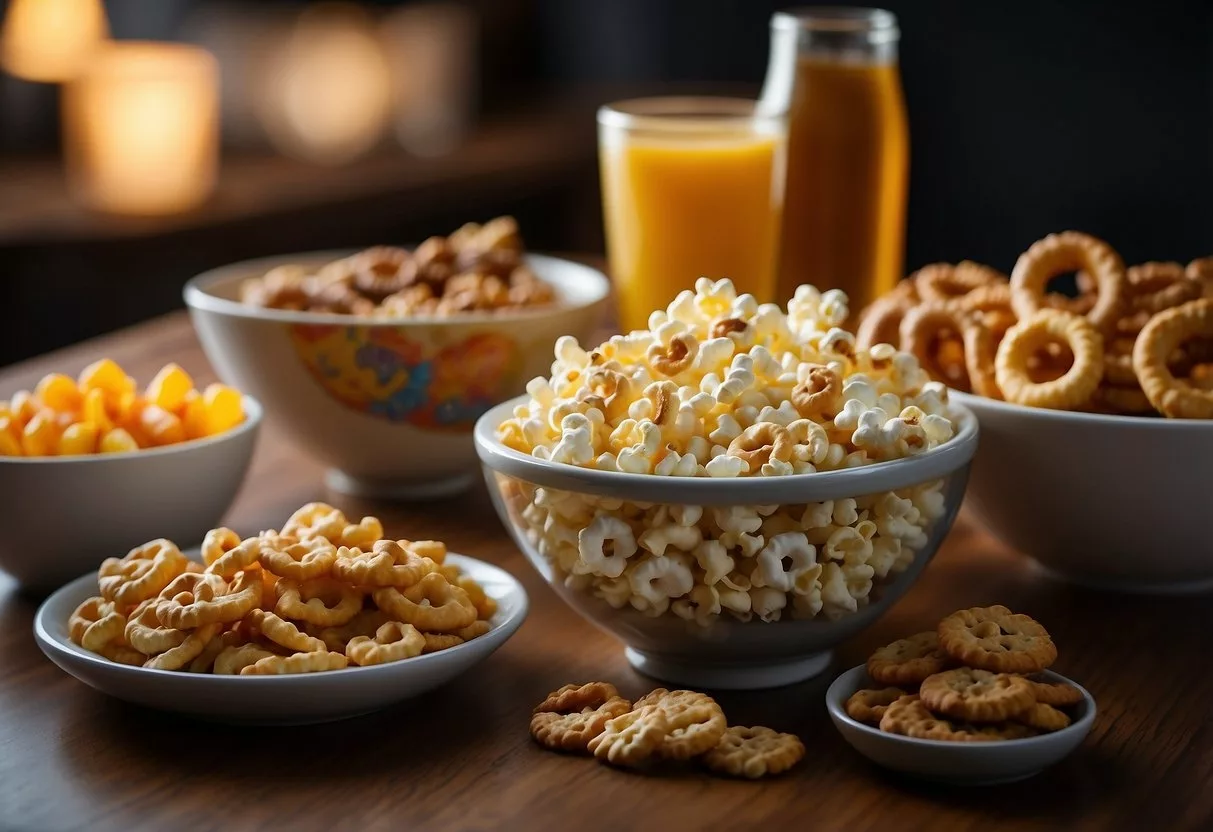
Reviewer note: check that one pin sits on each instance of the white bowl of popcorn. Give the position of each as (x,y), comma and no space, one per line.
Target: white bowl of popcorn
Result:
(733,491)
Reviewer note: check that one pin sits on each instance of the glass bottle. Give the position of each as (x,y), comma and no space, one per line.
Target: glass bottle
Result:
(834,71)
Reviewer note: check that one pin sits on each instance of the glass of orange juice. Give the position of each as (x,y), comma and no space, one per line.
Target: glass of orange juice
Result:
(691,187)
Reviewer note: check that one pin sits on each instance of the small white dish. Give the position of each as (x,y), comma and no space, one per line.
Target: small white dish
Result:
(283,700)
(957,763)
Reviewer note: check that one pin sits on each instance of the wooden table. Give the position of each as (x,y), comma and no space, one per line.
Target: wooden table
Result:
(461,758)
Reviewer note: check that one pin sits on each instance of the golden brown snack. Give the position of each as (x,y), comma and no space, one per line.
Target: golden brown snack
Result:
(868,706)
(909,717)
(392,642)
(996,639)
(283,633)
(631,739)
(387,564)
(696,723)
(432,604)
(1165,332)
(754,752)
(196,600)
(141,574)
(1057,694)
(297,663)
(1043,718)
(298,560)
(881,320)
(1069,251)
(931,332)
(908,661)
(1029,337)
(943,281)
(145,633)
(976,695)
(95,624)
(572,716)
(178,657)
(1155,286)
(326,602)
(819,394)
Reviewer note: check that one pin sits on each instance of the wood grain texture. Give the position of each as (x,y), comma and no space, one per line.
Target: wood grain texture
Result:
(461,758)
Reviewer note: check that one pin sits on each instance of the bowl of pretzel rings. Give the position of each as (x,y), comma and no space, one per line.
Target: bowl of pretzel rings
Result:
(1095,405)
(323,620)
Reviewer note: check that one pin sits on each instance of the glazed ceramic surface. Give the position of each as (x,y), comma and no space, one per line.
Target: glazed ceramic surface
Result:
(387,405)
(292,699)
(1114,502)
(728,653)
(957,763)
(67,514)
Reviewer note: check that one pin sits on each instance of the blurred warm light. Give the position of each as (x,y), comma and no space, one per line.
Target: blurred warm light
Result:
(141,128)
(51,40)
(327,96)
(431,49)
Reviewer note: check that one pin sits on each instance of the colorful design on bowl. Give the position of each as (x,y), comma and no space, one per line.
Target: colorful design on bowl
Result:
(392,374)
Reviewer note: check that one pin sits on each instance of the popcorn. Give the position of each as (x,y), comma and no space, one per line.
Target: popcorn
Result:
(721,386)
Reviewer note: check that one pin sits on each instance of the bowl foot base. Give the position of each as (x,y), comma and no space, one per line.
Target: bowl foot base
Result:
(1195,586)
(719,676)
(437,489)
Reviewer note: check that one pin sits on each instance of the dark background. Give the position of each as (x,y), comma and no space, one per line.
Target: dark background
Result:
(1025,118)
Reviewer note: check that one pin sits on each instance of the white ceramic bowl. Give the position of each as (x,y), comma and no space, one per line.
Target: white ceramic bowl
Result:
(1115,502)
(957,763)
(728,654)
(66,514)
(284,700)
(387,405)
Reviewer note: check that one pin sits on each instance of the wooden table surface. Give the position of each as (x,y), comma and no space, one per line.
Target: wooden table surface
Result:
(461,757)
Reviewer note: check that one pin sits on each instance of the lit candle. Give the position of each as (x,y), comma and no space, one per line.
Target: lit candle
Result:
(50,40)
(141,128)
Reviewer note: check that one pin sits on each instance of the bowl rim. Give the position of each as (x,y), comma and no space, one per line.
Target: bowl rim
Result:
(940,461)
(845,684)
(197,295)
(975,402)
(48,642)
(253,413)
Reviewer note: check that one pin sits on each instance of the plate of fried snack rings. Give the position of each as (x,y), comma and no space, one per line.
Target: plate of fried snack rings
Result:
(323,620)
(662,730)
(1135,341)
(971,702)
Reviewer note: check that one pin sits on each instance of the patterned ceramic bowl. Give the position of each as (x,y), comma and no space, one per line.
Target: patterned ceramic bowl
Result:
(387,405)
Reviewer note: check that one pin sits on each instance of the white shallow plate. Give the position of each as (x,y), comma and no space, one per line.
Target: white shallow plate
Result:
(957,763)
(293,699)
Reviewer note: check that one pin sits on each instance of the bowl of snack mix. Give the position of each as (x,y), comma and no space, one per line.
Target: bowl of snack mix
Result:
(1096,407)
(733,491)
(323,620)
(378,363)
(94,464)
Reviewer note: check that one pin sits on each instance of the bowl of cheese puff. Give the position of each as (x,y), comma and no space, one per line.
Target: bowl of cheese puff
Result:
(734,490)
(378,362)
(94,465)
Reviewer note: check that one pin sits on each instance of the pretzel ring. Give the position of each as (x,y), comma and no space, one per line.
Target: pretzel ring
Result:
(325,602)
(988,297)
(315,520)
(231,660)
(299,663)
(760,443)
(299,561)
(1201,270)
(943,281)
(1154,287)
(95,623)
(239,558)
(393,642)
(142,574)
(435,550)
(284,632)
(388,564)
(361,534)
(1074,388)
(675,358)
(1165,332)
(217,543)
(433,604)
(177,657)
(146,634)
(209,603)
(819,394)
(881,321)
(925,327)
(380,271)
(1063,252)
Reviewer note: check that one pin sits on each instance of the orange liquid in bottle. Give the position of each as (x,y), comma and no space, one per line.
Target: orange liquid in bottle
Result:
(845,200)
